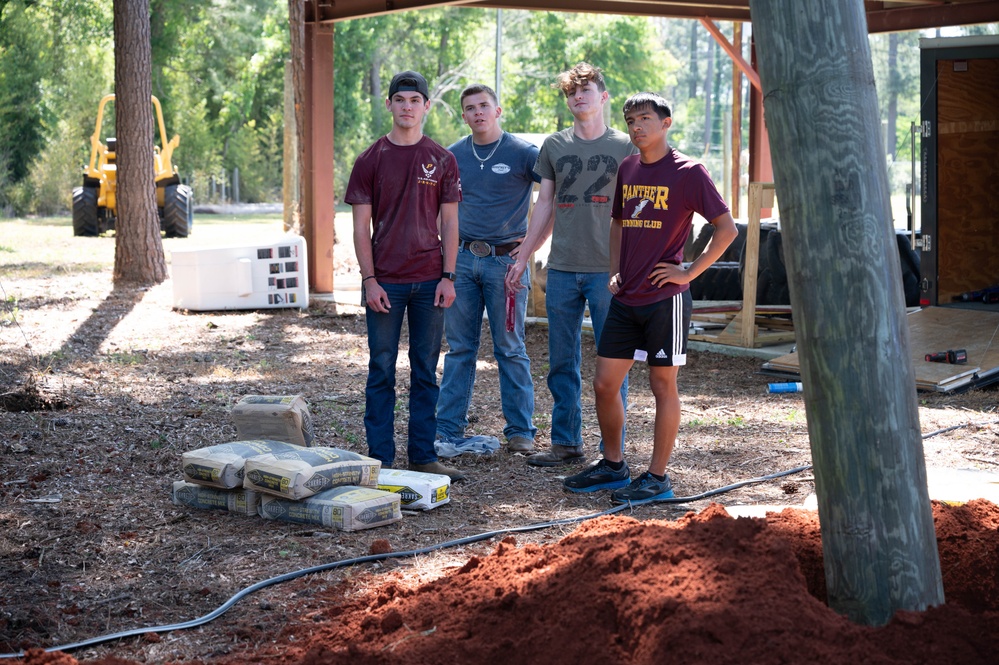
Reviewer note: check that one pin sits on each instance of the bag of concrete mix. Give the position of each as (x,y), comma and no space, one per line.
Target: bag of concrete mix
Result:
(221,465)
(274,417)
(416,490)
(302,472)
(239,501)
(347,508)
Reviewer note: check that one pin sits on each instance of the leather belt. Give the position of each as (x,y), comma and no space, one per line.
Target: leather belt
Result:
(481,248)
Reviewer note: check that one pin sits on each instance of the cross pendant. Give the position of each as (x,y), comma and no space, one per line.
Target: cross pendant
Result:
(481,166)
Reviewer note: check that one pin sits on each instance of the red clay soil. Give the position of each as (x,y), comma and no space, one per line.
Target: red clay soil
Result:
(704,589)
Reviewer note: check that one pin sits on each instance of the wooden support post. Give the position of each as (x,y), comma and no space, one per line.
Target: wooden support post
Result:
(741,330)
(535,297)
(761,195)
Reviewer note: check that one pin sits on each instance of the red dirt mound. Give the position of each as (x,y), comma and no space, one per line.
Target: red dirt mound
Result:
(704,589)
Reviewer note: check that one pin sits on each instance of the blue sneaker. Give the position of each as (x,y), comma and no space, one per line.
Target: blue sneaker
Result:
(599,476)
(644,488)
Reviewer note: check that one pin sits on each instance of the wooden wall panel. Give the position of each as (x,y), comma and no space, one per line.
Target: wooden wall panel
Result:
(968,176)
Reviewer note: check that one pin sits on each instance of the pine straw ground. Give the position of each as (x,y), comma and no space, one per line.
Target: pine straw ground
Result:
(102,389)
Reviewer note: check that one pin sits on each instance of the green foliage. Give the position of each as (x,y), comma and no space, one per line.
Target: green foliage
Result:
(445,45)
(24,64)
(219,70)
(626,48)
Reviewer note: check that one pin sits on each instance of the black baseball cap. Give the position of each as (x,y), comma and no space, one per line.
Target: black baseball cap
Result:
(409,80)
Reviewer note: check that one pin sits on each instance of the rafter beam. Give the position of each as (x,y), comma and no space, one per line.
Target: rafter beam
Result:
(737,59)
(931,15)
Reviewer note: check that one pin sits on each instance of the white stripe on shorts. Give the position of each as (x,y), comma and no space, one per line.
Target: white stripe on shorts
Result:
(679,357)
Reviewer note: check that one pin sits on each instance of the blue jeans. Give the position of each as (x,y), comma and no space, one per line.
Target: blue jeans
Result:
(415,302)
(565,301)
(480,288)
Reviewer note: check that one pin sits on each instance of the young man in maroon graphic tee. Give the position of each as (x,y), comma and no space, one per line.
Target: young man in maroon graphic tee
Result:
(397,189)
(656,196)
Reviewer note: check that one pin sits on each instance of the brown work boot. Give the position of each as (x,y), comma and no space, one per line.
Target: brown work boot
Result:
(557,456)
(436,467)
(520,444)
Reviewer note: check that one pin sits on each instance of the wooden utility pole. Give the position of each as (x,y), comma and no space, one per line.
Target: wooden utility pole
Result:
(138,255)
(831,180)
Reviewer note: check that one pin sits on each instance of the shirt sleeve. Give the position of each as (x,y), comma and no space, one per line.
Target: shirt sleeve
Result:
(359,187)
(543,166)
(702,194)
(451,182)
(530,161)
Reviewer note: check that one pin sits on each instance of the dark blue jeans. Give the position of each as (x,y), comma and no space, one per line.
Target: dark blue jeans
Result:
(480,287)
(566,298)
(415,303)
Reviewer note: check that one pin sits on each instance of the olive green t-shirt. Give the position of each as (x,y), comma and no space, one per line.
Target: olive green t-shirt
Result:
(584,173)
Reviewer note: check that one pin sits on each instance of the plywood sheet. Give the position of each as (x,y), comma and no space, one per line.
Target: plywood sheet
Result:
(967,242)
(936,329)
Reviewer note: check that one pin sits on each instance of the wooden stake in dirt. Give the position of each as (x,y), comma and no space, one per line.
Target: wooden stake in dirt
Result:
(846,292)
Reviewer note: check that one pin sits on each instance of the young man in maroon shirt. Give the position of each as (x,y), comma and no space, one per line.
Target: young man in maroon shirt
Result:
(656,196)
(397,189)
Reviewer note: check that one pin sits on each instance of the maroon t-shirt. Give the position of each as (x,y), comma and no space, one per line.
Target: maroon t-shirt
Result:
(405,186)
(656,205)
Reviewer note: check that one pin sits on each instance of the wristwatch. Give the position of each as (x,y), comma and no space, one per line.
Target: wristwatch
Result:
(449,275)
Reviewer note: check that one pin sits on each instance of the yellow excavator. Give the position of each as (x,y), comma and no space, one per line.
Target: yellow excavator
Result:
(95,203)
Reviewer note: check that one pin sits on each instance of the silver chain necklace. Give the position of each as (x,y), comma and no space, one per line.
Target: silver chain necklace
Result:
(483,160)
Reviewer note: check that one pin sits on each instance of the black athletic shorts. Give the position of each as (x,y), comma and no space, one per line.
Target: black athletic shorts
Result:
(655,333)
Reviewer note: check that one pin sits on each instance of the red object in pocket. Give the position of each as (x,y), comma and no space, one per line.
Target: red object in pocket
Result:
(511,310)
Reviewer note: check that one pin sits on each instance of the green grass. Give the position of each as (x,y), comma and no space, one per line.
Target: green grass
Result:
(126,358)
(40,246)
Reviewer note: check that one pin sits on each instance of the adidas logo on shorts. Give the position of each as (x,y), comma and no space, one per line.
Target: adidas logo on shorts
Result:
(661,354)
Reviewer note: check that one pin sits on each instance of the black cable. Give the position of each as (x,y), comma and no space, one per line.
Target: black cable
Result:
(287,577)
(953,427)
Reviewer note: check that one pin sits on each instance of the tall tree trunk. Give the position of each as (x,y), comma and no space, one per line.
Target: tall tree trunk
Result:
(877,529)
(692,62)
(377,97)
(894,79)
(718,107)
(138,257)
(708,96)
(296,27)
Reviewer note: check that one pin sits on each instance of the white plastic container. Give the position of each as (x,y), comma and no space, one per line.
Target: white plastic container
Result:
(261,276)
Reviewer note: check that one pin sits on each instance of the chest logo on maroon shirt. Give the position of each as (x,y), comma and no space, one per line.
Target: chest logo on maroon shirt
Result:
(429,170)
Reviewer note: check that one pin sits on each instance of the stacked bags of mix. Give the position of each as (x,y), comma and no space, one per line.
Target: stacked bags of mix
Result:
(277,472)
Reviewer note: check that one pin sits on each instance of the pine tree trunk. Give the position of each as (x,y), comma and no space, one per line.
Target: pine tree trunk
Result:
(139,255)
(296,25)
(878,537)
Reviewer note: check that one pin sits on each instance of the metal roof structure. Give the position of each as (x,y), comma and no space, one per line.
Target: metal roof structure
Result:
(881,16)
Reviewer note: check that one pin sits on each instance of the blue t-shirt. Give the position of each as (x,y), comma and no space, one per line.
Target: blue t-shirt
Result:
(496,192)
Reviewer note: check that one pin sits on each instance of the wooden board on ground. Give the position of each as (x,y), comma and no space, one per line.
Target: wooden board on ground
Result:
(936,329)
(771,324)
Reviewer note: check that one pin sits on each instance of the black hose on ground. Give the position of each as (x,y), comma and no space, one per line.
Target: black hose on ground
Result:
(287,577)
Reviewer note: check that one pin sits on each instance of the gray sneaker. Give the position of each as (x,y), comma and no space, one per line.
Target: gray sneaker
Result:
(599,476)
(644,488)
(557,456)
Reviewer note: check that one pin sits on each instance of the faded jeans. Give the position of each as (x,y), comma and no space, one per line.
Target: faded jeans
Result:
(415,302)
(480,288)
(565,299)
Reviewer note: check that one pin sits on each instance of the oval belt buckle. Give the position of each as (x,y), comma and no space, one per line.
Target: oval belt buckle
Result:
(480,248)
